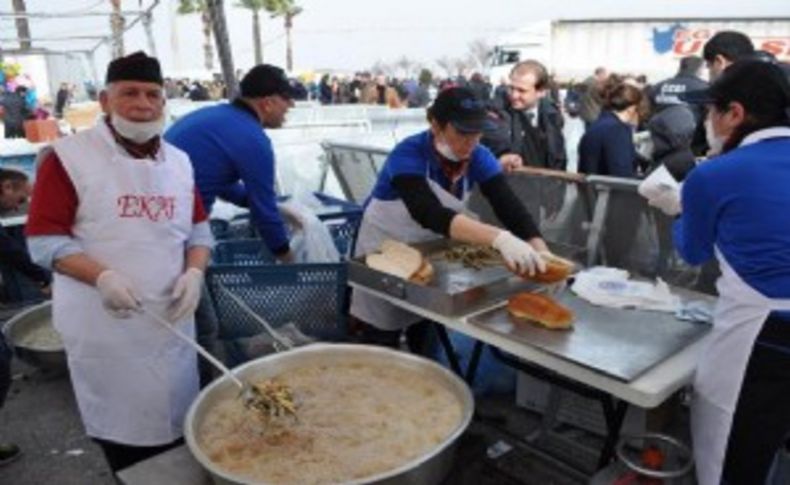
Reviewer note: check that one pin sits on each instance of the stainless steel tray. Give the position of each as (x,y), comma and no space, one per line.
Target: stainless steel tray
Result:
(616,342)
(454,291)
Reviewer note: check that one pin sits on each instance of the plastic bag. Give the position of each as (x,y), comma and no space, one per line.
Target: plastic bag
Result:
(311,241)
(612,287)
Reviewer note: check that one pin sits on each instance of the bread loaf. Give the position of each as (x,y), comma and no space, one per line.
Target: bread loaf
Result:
(540,309)
(424,275)
(557,269)
(401,260)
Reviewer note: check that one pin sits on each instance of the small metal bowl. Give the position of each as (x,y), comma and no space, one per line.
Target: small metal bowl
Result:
(678,456)
(47,359)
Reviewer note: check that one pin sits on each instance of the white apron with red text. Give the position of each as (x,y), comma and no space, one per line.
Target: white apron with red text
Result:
(132,378)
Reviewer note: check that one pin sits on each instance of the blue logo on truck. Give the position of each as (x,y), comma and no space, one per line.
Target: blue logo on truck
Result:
(663,40)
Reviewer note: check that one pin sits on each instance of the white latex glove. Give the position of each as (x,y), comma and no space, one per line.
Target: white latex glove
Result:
(118,294)
(186,294)
(510,162)
(518,254)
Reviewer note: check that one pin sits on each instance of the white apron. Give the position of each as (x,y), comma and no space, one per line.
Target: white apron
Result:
(390,219)
(738,318)
(132,378)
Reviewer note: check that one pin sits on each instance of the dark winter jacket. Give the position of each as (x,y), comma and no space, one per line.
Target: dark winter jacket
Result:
(541,146)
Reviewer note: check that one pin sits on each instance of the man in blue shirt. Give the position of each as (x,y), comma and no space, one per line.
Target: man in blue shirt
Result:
(233,157)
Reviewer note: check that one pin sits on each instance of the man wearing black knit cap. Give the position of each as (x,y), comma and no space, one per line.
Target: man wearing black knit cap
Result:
(116,215)
(233,157)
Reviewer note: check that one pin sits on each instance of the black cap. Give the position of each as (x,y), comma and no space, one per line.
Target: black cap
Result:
(460,107)
(266,80)
(135,67)
(745,81)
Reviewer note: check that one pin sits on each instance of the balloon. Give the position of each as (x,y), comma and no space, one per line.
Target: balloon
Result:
(12,70)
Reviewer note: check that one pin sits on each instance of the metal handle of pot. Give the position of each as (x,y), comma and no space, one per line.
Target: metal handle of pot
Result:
(199,348)
(279,339)
(664,474)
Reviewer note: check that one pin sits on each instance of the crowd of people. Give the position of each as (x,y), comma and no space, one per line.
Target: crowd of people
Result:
(195,90)
(126,187)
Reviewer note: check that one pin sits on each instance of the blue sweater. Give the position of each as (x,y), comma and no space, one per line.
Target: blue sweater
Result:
(233,160)
(607,148)
(415,156)
(740,203)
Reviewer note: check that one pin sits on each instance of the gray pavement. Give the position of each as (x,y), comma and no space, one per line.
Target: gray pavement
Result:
(40,415)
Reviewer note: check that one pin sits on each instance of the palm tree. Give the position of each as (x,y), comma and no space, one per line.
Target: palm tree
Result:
(186,7)
(255,6)
(22,26)
(117,24)
(286,9)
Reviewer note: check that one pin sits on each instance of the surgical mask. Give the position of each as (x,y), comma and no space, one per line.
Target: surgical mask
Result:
(444,149)
(137,131)
(715,142)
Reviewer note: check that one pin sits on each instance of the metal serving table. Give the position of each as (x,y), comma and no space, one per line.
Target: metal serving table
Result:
(648,390)
(621,343)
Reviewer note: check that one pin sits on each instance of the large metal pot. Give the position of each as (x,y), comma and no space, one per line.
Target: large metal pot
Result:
(52,360)
(430,468)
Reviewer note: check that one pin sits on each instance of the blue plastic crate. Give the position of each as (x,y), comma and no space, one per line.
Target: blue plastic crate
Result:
(249,251)
(344,234)
(241,227)
(242,252)
(335,208)
(219,228)
(312,296)
(341,217)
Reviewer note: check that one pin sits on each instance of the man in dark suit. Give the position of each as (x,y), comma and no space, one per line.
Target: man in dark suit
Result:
(529,126)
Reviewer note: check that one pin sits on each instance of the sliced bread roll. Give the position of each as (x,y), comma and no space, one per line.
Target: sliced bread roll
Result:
(387,264)
(540,309)
(401,260)
(557,269)
(424,275)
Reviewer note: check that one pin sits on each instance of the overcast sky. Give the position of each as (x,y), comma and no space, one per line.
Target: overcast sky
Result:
(354,34)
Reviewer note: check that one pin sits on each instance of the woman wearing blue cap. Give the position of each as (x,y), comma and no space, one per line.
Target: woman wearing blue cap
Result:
(735,207)
(421,194)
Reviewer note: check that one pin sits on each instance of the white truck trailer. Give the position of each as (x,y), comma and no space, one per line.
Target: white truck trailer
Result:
(572,49)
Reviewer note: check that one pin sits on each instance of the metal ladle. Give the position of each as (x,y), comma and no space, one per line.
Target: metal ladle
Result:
(280,342)
(253,398)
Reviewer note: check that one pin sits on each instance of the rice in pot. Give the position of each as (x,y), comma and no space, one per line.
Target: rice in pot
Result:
(355,420)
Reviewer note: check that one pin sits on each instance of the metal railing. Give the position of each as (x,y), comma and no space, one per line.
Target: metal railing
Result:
(356,167)
(592,219)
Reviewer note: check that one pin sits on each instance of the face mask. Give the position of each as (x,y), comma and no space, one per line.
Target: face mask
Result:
(716,143)
(137,131)
(444,149)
